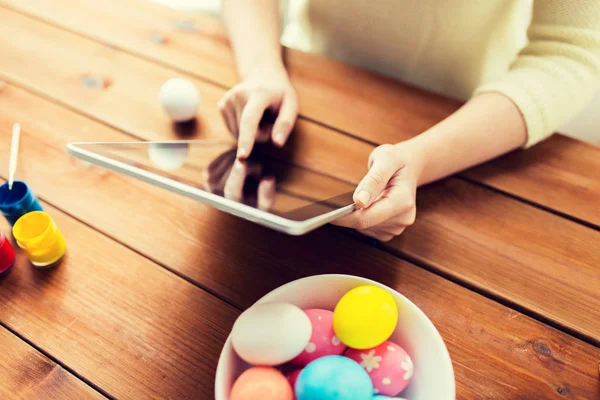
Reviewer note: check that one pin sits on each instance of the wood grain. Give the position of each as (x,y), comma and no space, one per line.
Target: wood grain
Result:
(510,250)
(497,352)
(125,324)
(136,83)
(557,174)
(25,373)
(574,306)
(560,174)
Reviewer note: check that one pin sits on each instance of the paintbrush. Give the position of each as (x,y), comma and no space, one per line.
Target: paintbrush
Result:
(14,154)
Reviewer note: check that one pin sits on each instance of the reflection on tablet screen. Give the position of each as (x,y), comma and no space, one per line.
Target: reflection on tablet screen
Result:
(267,180)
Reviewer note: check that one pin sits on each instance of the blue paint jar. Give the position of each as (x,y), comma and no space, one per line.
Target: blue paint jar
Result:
(17,202)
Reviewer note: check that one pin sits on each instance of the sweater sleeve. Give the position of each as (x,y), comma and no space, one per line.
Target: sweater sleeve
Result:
(557,73)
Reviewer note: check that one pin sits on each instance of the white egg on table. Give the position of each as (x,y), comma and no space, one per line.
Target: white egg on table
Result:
(271,334)
(180,99)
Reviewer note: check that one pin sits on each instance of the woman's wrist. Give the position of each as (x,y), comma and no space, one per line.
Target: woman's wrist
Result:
(485,127)
(418,154)
(273,69)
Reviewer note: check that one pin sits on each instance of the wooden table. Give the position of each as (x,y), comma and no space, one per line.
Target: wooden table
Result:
(504,258)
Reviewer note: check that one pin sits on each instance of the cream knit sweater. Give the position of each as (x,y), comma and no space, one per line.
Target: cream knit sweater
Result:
(545,57)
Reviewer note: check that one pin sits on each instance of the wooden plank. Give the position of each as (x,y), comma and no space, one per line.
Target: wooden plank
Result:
(138,82)
(383,111)
(560,174)
(497,352)
(512,251)
(25,373)
(443,224)
(120,321)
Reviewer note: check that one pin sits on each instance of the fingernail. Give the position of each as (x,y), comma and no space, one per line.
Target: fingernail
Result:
(241,152)
(279,138)
(364,197)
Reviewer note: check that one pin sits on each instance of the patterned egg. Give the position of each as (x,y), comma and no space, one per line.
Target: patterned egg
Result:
(261,383)
(388,365)
(323,341)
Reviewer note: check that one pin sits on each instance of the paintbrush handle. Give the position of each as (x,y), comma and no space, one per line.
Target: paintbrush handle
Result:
(14,154)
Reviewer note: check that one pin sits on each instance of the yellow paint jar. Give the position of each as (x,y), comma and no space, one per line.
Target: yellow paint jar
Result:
(38,235)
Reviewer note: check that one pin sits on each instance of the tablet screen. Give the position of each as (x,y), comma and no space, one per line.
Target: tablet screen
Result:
(267,180)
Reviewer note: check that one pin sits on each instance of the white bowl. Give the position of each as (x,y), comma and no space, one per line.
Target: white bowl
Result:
(433,377)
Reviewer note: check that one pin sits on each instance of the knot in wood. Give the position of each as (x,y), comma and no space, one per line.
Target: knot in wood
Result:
(157,38)
(185,25)
(542,349)
(93,82)
(563,391)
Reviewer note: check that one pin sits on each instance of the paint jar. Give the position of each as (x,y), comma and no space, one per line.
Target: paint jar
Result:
(7,255)
(17,202)
(38,235)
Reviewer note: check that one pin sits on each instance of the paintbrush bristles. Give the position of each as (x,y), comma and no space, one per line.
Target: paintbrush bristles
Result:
(14,154)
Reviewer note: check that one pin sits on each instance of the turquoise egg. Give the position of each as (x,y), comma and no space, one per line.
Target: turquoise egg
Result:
(334,378)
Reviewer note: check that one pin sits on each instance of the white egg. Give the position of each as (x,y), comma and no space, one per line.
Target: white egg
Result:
(180,99)
(271,334)
(168,156)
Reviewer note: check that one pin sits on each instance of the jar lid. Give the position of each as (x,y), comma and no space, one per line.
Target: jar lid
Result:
(12,200)
(38,235)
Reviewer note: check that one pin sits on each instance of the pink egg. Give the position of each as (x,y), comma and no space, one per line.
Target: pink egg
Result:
(388,365)
(292,377)
(323,341)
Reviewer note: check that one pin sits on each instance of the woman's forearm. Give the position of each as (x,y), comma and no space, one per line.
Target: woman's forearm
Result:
(254,30)
(487,126)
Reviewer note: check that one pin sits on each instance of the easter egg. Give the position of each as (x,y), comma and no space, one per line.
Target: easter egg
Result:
(323,341)
(388,365)
(334,378)
(365,317)
(180,99)
(261,383)
(271,334)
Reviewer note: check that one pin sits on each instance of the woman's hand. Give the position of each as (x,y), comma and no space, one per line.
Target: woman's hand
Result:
(386,195)
(244,106)
(227,176)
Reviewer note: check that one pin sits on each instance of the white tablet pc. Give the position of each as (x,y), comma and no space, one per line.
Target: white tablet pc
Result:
(267,188)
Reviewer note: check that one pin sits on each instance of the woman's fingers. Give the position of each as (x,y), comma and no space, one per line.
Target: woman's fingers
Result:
(383,235)
(266,193)
(234,186)
(383,166)
(395,202)
(227,110)
(217,172)
(288,112)
(249,123)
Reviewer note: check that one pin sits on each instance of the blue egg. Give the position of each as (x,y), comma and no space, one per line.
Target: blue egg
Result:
(334,378)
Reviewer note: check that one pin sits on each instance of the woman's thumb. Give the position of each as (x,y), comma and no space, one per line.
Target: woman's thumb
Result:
(376,180)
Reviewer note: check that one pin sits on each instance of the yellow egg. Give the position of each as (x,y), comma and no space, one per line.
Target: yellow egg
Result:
(365,317)
(261,383)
